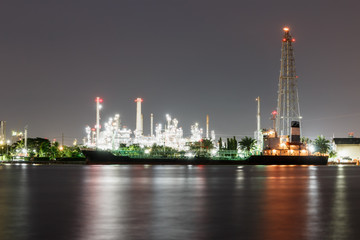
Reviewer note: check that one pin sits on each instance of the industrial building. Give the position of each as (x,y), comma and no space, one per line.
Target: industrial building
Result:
(348,149)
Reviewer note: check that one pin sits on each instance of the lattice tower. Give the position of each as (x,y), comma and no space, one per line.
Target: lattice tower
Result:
(288,109)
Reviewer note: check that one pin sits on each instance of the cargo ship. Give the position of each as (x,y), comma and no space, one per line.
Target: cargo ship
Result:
(105,157)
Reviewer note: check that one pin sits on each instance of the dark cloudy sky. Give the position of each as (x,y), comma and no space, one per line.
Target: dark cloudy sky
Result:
(185,58)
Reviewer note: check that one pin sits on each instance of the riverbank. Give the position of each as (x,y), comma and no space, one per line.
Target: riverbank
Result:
(52,162)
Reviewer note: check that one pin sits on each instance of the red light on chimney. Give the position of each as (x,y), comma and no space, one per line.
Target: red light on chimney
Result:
(100,100)
(284,39)
(293,40)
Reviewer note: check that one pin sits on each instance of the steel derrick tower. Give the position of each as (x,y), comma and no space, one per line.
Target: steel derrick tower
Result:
(288,109)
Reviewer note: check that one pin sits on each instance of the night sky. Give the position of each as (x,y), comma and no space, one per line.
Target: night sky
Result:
(184,58)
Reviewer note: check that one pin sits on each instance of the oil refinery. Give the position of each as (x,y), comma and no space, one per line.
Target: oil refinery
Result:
(114,134)
(282,140)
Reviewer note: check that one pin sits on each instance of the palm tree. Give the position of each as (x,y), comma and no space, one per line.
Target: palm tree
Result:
(247,144)
(305,140)
(322,145)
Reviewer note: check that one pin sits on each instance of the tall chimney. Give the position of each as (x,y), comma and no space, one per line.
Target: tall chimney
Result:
(207,126)
(139,128)
(151,125)
(98,100)
(3,131)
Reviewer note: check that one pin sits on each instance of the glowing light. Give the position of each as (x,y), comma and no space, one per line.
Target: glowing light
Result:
(293,39)
(100,100)
(311,148)
(286,29)
(284,39)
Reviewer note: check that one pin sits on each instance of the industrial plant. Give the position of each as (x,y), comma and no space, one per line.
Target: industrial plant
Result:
(114,134)
(283,139)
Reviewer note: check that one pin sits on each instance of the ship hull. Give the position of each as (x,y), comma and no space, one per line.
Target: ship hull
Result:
(288,160)
(103,157)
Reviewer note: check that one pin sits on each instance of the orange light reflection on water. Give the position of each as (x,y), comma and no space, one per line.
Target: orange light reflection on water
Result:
(281,207)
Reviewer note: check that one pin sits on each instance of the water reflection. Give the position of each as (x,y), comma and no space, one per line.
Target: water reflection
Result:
(102,204)
(285,198)
(313,207)
(13,202)
(142,202)
(339,218)
(179,202)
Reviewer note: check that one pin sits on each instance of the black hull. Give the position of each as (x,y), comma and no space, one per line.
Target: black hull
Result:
(103,157)
(288,160)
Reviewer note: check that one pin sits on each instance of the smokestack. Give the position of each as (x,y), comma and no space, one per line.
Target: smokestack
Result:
(151,125)
(207,126)
(139,128)
(25,138)
(98,100)
(3,131)
(142,122)
(258,115)
(295,131)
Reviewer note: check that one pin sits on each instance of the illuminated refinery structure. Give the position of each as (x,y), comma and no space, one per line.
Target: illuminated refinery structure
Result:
(139,118)
(284,137)
(288,109)
(114,134)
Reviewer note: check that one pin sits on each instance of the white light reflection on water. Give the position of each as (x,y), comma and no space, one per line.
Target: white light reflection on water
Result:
(137,202)
(102,201)
(339,218)
(313,221)
(239,178)
(169,212)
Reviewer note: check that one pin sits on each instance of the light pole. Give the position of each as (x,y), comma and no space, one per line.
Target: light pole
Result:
(7,147)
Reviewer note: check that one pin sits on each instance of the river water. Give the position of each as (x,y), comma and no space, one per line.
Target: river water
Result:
(179,202)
